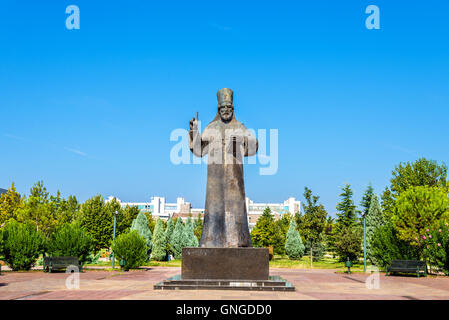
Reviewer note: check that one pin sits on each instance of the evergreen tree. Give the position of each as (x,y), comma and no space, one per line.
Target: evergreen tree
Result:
(293,245)
(140,223)
(159,242)
(347,214)
(179,239)
(374,220)
(348,243)
(66,210)
(192,241)
(168,235)
(366,200)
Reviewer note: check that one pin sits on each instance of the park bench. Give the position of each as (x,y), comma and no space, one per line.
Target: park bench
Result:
(58,263)
(407,266)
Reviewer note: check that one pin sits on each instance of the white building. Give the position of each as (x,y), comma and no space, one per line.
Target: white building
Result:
(162,209)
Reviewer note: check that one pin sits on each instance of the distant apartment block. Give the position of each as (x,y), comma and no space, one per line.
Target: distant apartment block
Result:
(161,209)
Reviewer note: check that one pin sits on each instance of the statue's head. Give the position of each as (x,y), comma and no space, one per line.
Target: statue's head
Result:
(225,104)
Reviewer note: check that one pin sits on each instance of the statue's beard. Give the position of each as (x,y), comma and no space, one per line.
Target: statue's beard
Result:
(226,117)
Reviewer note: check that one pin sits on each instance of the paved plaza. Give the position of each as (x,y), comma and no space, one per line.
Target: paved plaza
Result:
(138,284)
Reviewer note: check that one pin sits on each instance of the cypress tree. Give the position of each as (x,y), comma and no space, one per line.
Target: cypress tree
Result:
(140,223)
(374,220)
(293,245)
(192,241)
(178,240)
(159,242)
(169,234)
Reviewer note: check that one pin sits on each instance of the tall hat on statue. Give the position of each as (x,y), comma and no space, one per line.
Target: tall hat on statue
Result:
(224,96)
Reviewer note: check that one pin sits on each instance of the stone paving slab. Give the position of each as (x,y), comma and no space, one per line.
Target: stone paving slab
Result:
(138,284)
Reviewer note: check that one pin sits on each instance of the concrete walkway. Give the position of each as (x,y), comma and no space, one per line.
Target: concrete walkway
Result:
(138,284)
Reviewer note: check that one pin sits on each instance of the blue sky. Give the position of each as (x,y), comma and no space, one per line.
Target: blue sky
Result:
(91,111)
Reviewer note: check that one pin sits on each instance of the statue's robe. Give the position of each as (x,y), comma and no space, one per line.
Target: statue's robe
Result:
(225,217)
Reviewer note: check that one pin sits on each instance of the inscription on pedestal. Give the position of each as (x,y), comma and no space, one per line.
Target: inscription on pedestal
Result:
(225,263)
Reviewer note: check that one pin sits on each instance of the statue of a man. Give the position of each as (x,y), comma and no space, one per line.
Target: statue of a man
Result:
(226,141)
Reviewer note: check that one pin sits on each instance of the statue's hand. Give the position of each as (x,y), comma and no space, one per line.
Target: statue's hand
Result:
(193,124)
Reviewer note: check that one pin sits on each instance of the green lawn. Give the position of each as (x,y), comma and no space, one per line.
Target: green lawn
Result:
(276,262)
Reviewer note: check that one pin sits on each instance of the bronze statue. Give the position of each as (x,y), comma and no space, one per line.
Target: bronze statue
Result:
(226,141)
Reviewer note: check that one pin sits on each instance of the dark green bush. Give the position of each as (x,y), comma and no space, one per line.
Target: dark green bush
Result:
(386,246)
(131,247)
(70,240)
(22,245)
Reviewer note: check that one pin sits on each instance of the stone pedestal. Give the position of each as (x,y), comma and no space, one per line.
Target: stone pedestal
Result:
(225,263)
(225,269)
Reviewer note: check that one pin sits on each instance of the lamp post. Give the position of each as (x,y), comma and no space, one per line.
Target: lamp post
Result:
(115,223)
(364,242)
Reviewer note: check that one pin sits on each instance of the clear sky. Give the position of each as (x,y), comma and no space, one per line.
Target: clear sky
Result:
(91,110)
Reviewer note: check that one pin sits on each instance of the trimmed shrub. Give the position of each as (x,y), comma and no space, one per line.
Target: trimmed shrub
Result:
(22,245)
(131,247)
(159,242)
(293,245)
(72,240)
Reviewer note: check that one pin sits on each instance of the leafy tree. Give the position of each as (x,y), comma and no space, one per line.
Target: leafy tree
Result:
(9,203)
(140,223)
(159,242)
(374,220)
(70,240)
(293,245)
(198,227)
(347,214)
(126,217)
(417,209)
(348,243)
(98,219)
(314,221)
(21,245)
(40,209)
(366,199)
(386,246)
(422,172)
(131,247)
